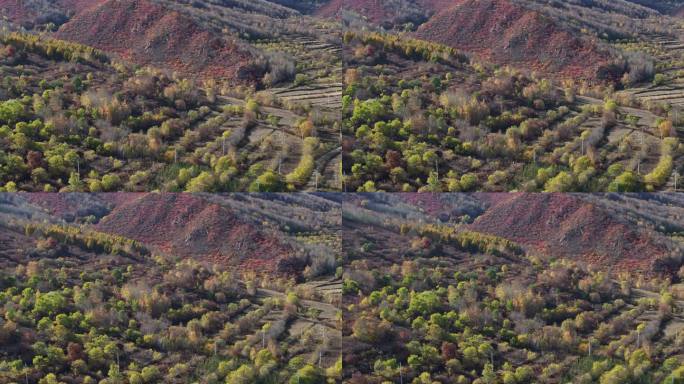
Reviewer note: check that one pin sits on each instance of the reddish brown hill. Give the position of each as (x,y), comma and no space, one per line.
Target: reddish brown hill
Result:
(148,33)
(438,5)
(69,206)
(383,11)
(505,33)
(428,202)
(376,11)
(17,11)
(27,13)
(564,225)
(189,226)
(77,6)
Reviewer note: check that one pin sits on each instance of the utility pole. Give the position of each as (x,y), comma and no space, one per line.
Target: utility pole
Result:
(344,185)
(675,115)
(401,374)
(676,174)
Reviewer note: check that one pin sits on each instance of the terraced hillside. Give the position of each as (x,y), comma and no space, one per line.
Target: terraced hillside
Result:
(666,88)
(81,304)
(511,30)
(506,33)
(147,33)
(266,120)
(423,116)
(456,305)
(317,88)
(385,13)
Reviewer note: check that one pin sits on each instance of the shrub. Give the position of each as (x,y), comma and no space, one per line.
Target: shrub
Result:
(562,182)
(110,182)
(625,182)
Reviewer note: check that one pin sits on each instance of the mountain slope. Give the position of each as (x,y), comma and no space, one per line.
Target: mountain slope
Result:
(386,13)
(664,6)
(188,226)
(147,33)
(74,206)
(506,33)
(34,13)
(565,225)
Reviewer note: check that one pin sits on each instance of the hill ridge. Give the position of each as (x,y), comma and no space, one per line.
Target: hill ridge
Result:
(571,227)
(189,226)
(148,33)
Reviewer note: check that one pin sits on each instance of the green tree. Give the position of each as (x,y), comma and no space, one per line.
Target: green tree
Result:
(625,182)
(110,182)
(150,374)
(562,182)
(424,303)
(11,111)
(468,182)
(49,303)
(676,377)
(618,375)
(245,374)
(204,182)
(268,181)
(488,374)
(308,374)
(388,369)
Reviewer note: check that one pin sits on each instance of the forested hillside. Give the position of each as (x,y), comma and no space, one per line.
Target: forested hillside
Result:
(169,95)
(512,95)
(433,293)
(83,304)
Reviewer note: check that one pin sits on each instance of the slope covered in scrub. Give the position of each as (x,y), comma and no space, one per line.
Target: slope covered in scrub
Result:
(566,226)
(387,13)
(189,226)
(148,33)
(96,301)
(504,32)
(36,13)
(432,302)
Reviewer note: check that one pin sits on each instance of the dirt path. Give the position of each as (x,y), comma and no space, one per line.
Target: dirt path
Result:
(328,312)
(322,168)
(317,320)
(676,323)
(645,142)
(287,146)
